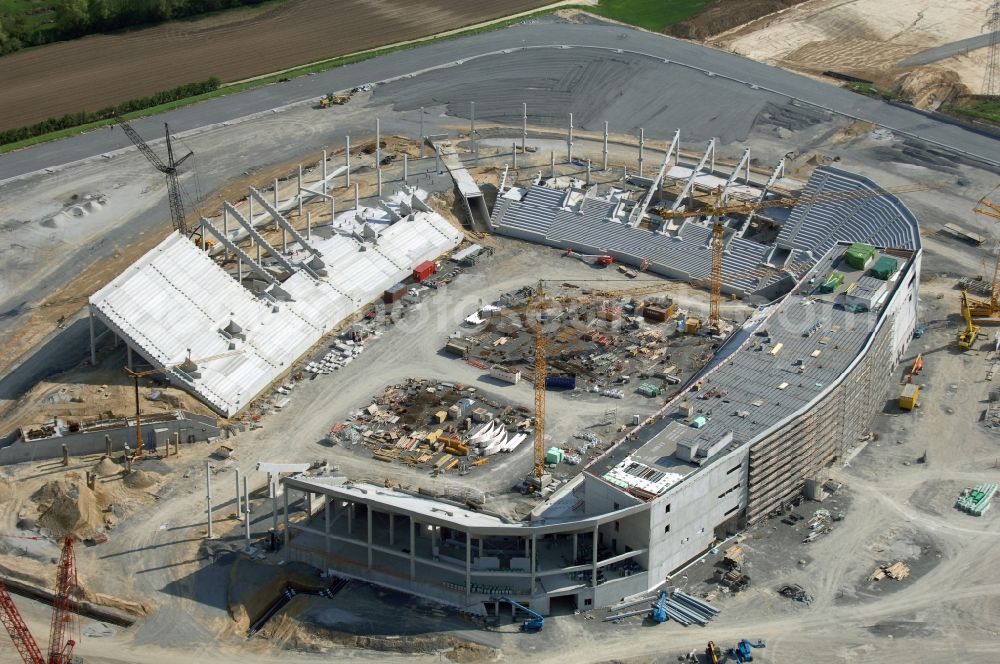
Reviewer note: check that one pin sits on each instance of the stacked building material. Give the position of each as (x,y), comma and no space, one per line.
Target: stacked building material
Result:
(976,501)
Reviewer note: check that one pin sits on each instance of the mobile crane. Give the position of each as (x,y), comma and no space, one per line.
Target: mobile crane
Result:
(742,650)
(535,621)
(967,337)
(659,612)
(63,608)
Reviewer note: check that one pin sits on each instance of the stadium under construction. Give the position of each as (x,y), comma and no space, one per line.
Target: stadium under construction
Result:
(833,264)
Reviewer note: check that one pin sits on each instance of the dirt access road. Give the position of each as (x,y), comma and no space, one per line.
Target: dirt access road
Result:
(98,71)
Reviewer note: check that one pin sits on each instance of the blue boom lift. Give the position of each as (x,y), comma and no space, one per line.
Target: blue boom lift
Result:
(742,650)
(534,623)
(659,612)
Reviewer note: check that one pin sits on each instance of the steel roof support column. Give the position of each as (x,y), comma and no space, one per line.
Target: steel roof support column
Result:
(593,559)
(472,129)
(347,161)
(323,189)
(534,570)
(93,350)
(642,147)
(605,146)
(524,127)
(468,566)
(569,140)
(287,533)
(327,505)
(413,549)
(369,518)
(423,136)
(208,497)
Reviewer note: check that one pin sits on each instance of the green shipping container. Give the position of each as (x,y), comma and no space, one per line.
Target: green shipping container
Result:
(884,268)
(648,390)
(832,282)
(858,255)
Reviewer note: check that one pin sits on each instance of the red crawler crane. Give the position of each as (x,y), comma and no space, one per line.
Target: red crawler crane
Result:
(60,651)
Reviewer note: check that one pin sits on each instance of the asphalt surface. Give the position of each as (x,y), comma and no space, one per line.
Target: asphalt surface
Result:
(480,53)
(943,51)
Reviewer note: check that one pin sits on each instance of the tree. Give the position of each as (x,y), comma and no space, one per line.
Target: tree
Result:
(101,14)
(72,17)
(8,42)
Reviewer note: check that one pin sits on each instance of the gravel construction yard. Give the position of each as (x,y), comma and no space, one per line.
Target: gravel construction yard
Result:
(99,71)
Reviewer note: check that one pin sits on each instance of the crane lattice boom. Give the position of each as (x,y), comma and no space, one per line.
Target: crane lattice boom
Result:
(64,606)
(177,212)
(24,642)
(60,650)
(714,316)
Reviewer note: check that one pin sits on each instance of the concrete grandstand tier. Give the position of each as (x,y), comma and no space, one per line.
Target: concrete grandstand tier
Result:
(590,224)
(176,303)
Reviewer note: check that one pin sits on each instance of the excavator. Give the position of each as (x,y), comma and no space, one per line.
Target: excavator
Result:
(967,337)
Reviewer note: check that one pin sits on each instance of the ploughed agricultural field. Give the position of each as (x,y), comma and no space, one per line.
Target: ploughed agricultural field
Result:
(102,70)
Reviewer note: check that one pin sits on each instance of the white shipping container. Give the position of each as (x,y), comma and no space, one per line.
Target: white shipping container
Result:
(505,374)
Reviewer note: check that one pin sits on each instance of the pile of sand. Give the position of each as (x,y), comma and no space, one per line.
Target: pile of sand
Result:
(140,479)
(68,506)
(106,467)
(929,86)
(6,491)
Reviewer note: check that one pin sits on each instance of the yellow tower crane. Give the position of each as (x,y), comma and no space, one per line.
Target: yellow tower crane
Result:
(533,319)
(186,363)
(989,206)
(721,207)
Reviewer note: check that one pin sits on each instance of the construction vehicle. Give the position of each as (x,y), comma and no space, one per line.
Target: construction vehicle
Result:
(659,612)
(713,655)
(535,621)
(205,244)
(63,611)
(331,99)
(742,651)
(187,365)
(989,207)
(909,396)
(915,368)
(967,337)
(591,259)
(177,213)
